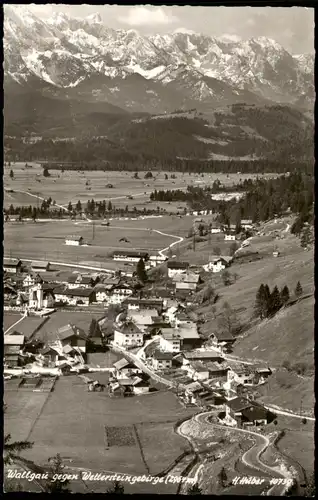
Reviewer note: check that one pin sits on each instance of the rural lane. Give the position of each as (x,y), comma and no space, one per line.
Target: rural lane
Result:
(140,364)
(251,458)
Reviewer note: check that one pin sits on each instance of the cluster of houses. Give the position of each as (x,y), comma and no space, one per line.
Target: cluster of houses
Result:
(230,231)
(36,286)
(127,380)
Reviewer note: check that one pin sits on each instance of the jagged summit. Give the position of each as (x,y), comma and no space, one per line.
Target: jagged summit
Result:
(72,52)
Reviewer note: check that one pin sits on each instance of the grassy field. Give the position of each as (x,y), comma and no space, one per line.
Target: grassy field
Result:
(26,327)
(62,318)
(152,436)
(9,318)
(71,185)
(74,423)
(298,441)
(46,240)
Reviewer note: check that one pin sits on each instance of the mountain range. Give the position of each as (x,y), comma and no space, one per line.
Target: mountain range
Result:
(83,61)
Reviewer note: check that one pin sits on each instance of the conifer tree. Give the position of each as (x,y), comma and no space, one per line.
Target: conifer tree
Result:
(260,302)
(284,295)
(141,271)
(267,300)
(275,301)
(298,290)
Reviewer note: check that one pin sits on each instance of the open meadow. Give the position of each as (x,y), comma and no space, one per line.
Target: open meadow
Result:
(77,185)
(46,240)
(26,326)
(94,432)
(59,319)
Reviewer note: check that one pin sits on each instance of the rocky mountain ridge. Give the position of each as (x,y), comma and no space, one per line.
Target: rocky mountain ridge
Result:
(84,59)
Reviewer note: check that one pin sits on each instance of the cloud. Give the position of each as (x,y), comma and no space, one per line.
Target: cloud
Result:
(184,30)
(143,16)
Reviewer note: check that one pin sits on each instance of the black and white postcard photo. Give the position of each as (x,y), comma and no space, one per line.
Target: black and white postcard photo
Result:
(158,250)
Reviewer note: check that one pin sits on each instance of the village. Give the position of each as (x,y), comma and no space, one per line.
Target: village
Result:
(154,333)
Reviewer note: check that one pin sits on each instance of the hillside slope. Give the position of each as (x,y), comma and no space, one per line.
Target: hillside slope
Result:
(234,133)
(288,337)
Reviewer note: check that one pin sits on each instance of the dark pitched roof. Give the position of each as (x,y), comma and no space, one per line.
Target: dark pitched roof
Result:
(8,261)
(122,363)
(173,264)
(128,328)
(255,413)
(37,264)
(68,331)
(131,253)
(145,302)
(239,404)
(79,292)
(159,355)
(223,336)
(74,238)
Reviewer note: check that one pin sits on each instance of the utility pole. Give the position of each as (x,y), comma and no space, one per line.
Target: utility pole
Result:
(194,241)
(93,229)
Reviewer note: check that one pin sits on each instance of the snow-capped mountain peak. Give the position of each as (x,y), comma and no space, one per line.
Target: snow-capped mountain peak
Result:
(94,18)
(66,52)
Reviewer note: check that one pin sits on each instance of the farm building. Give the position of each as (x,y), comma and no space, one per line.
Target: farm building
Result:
(117,390)
(144,318)
(70,335)
(218,264)
(186,281)
(38,266)
(179,339)
(60,294)
(155,260)
(161,360)
(128,335)
(247,224)
(130,255)
(125,368)
(175,267)
(80,281)
(74,240)
(197,370)
(119,293)
(11,265)
(222,339)
(202,356)
(229,236)
(12,347)
(241,412)
(102,292)
(217,369)
(55,356)
(80,296)
(170,340)
(216,227)
(134,303)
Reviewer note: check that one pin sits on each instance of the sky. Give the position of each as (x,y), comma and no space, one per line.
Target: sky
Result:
(292,27)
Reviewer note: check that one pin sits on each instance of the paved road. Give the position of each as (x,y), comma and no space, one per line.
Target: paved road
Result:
(251,458)
(140,364)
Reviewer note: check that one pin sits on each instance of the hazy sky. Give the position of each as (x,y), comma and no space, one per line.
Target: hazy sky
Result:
(291,27)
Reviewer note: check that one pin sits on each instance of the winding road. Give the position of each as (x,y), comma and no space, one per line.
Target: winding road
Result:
(252,457)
